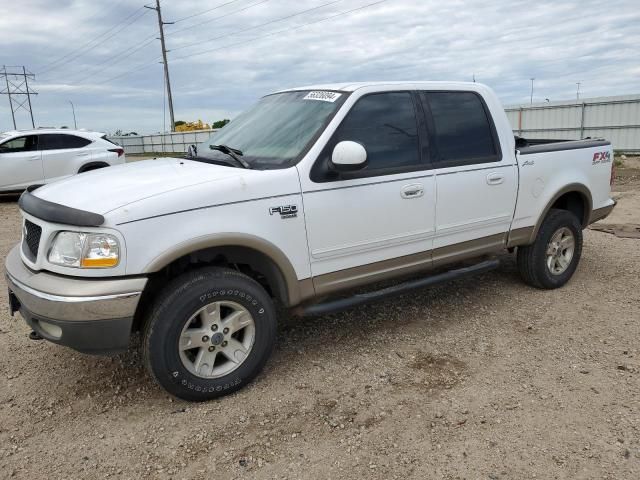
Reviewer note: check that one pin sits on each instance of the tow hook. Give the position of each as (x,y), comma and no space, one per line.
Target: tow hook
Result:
(35,336)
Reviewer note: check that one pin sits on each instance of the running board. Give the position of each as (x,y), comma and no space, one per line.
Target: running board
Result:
(344,303)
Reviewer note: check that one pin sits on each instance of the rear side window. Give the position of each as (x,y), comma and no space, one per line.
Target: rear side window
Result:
(462,127)
(27,143)
(59,141)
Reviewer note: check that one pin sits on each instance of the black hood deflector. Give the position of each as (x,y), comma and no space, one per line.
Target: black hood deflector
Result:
(56,213)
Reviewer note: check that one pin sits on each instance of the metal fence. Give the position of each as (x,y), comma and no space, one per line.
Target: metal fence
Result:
(175,142)
(614,118)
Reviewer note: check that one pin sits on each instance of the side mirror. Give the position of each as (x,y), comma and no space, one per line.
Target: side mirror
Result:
(192,151)
(348,156)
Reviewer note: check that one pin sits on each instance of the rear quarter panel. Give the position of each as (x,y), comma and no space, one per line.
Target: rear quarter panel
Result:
(543,175)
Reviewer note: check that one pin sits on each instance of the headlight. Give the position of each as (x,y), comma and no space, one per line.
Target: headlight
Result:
(85,250)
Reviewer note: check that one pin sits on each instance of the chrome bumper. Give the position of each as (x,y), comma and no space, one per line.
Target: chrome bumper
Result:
(88,314)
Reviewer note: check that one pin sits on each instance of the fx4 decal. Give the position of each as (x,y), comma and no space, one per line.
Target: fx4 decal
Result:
(285,211)
(601,157)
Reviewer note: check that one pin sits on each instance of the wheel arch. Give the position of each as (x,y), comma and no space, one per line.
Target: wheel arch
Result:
(261,255)
(575,198)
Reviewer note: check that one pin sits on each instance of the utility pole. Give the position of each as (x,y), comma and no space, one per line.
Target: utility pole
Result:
(161,25)
(73,109)
(531,99)
(578,91)
(17,84)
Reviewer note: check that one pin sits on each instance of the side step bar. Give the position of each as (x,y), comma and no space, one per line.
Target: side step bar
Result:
(344,303)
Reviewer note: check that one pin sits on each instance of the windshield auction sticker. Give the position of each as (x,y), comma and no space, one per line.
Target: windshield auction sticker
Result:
(323,96)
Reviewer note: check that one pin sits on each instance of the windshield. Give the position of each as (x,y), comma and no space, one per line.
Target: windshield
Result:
(274,132)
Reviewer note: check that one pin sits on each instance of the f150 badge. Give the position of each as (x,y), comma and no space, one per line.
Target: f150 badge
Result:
(601,157)
(285,211)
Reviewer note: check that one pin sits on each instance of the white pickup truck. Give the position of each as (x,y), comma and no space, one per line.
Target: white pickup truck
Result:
(310,193)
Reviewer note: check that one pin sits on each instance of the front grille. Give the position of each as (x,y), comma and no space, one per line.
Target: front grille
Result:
(32,233)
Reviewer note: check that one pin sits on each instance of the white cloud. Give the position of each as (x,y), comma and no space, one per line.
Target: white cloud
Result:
(502,42)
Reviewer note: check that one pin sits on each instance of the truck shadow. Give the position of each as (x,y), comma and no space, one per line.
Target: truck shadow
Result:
(425,311)
(9,198)
(305,343)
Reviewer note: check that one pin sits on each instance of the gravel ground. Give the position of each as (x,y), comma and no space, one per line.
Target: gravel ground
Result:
(481,378)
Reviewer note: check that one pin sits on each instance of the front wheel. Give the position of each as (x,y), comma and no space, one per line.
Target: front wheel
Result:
(210,333)
(554,256)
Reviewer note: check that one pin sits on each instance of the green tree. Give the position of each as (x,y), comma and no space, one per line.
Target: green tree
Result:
(220,123)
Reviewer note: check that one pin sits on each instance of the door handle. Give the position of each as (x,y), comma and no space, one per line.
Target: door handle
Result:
(495,178)
(34,157)
(415,190)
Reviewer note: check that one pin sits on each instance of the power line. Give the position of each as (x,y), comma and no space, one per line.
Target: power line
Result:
(113,60)
(205,11)
(112,7)
(91,45)
(117,58)
(236,32)
(144,66)
(191,27)
(138,68)
(281,31)
(90,41)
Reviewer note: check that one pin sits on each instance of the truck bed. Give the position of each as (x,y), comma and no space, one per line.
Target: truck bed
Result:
(550,168)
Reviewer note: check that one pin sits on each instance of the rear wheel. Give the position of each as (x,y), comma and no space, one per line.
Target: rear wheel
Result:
(554,256)
(210,333)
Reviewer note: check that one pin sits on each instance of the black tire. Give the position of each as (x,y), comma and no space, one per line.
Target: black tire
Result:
(177,303)
(532,259)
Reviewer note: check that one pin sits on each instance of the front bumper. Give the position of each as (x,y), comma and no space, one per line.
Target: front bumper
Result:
(87,314)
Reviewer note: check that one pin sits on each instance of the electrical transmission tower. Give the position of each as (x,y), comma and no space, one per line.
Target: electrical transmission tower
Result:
(17,88)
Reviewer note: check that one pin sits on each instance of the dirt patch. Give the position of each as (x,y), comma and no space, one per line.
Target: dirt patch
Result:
(627,173)
(621,231)
(437,371)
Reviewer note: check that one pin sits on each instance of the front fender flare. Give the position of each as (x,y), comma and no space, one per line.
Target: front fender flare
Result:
(297,290)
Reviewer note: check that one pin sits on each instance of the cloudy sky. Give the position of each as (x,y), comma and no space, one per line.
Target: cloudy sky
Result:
(104,55)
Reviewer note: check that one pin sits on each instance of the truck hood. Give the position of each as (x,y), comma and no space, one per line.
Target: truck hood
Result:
(104,190)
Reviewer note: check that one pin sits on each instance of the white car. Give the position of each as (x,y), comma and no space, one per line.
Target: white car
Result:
(36,157)
(310,193)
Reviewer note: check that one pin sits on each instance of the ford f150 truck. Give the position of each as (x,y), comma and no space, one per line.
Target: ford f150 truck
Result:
(312,192)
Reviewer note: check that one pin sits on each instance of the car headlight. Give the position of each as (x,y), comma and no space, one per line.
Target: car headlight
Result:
(85,250)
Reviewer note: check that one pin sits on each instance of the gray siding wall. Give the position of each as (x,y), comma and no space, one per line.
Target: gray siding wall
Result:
(614,118)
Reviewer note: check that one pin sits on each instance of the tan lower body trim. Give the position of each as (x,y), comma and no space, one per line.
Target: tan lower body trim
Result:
(600,213)
(406,265)
(373,272)
(470,249)
(305,290)
(526,235)
(521,236)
